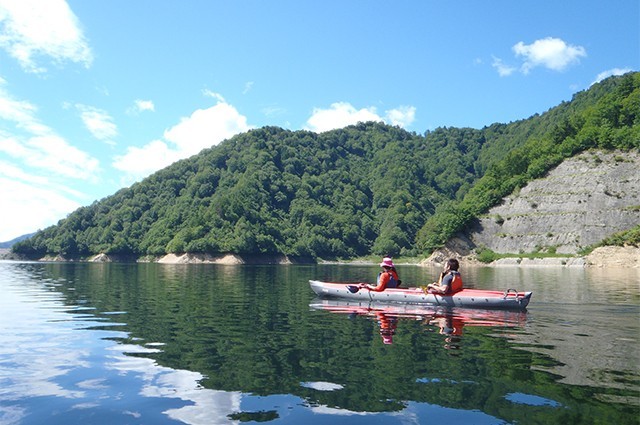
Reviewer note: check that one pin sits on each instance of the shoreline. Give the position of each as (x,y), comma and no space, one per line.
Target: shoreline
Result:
(602,257)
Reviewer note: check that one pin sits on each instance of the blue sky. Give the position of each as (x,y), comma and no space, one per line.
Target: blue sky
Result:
(95,95)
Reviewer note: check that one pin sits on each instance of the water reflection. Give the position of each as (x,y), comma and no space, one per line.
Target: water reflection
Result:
(216,344)
(447,321)
(60,356)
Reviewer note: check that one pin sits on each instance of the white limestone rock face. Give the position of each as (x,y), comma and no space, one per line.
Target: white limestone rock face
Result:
(579,203)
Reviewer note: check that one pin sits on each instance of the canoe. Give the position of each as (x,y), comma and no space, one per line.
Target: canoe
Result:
(470,298)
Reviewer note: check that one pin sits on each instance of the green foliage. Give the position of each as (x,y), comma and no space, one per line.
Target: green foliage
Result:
(485,255)
(630,237)
(365,189)
(607,116)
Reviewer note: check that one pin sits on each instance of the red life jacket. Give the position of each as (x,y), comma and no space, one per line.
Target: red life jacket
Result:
(393,281)
(456,282)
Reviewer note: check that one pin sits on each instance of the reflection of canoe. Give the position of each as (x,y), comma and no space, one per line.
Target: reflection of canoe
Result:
(474,298)
(468,317)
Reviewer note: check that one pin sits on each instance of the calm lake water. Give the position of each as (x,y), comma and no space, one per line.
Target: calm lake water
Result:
(204,344)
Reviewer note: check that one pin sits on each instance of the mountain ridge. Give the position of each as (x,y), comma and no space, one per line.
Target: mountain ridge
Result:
(365,189)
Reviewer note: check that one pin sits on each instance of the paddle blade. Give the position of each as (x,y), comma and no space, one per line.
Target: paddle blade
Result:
(352,288)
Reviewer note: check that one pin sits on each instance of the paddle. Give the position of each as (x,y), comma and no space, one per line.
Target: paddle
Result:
(353,288)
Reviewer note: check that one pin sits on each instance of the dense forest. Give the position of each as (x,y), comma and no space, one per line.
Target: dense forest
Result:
(365,189)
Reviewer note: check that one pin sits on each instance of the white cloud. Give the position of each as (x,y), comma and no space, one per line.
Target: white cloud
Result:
(144,105)
(402,116)
(503,70)
(34,206)
(551,53)
(203,129)
(31,28)
(54,154)
(342,114)
(21,113)
(339,115)
(273,110)
(206,127)
(140,106)
(34,163)
(50,154)
(610,73)
(98,122)
(37,145)
(216,96)
(247,87)
(140,162)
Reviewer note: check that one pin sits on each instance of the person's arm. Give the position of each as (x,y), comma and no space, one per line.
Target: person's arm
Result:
(384,278)
(443,285)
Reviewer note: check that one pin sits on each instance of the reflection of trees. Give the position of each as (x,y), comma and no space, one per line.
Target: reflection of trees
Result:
(252,331)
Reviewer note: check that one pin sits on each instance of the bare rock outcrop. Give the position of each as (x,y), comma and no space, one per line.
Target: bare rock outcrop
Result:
(614,256)
(579,203)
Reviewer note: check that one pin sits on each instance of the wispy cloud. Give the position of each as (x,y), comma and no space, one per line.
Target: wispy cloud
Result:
(402,116)
(36,144)
(35,166)
(33,28)
(247,87)
(144,105)
(503,69)
(273,110)
(551,53)
(217,96)
(99,123)
(610,73)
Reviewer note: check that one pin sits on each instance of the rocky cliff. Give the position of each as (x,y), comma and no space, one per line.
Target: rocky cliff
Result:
(579,203)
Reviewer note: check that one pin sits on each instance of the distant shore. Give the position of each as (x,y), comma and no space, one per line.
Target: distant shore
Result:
(603,257)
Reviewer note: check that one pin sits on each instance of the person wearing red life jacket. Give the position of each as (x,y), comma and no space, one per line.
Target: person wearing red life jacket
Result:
(450,280)
(387,278)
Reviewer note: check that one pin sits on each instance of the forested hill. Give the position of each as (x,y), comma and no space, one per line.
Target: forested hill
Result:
(368,188)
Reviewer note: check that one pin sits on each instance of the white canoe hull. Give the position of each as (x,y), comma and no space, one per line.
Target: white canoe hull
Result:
(470,298)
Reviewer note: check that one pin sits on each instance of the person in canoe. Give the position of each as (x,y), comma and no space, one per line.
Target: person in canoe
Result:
(387,278)
(450,280)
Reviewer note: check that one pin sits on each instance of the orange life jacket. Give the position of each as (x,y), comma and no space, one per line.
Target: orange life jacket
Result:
(456,282)
(393,281)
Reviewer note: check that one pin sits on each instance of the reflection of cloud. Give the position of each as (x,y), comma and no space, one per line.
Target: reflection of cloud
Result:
(321,386)
(209,406)
(92,384)
(36,347)
(47,347)
(44,348)
(326,410)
